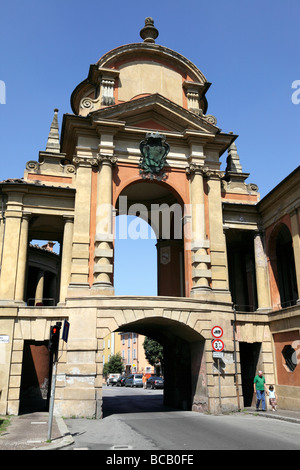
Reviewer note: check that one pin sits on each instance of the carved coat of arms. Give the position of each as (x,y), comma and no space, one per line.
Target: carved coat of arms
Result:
(154,150)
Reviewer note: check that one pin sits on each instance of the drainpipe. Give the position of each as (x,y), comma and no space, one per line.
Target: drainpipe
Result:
(3,218)
(235,361)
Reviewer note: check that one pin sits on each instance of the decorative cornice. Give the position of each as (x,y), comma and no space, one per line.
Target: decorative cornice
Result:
(33,166)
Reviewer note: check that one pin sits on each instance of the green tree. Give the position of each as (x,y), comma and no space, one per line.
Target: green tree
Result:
(154,353)
(114,365)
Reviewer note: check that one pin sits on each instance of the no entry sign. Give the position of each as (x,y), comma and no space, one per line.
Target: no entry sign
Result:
(217,332)
(218,345)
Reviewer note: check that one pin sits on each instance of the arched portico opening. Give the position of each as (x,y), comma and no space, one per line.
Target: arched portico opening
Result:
(162,208)
(282,260)
(185,383)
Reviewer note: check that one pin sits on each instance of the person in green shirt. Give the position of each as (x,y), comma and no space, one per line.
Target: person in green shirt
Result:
(259,389)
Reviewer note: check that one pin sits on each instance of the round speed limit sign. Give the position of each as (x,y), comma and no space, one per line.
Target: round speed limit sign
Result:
(218,345)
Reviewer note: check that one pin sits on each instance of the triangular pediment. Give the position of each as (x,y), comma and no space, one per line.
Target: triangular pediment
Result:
(157,113)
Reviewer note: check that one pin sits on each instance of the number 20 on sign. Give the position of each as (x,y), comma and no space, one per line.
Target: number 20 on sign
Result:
(218,345)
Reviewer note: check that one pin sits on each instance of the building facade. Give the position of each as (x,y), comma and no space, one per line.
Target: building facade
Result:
(130,346)
(133,354)
(140,142)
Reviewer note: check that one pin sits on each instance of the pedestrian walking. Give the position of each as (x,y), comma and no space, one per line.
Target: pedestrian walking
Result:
(144,381)
(272,398)
(260,389)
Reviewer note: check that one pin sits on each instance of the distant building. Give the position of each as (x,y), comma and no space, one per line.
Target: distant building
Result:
(130,347)
(133,354)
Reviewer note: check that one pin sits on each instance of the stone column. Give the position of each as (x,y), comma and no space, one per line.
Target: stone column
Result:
(261,271)
(103,255)
(13,218)
(22,259)
(295,226)
(199,245)
(39,291)
(218,251)
(66,258)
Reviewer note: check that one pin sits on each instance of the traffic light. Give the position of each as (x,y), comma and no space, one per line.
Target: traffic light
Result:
(54,339)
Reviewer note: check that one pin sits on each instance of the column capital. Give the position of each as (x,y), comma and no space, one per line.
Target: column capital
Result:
(294,211)
(258,232)
(85,161)
(68,218)
(214,174)
(106,159)
(26,215)
(194,168)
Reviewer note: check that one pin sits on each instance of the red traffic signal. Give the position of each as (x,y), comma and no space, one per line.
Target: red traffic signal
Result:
(54,338)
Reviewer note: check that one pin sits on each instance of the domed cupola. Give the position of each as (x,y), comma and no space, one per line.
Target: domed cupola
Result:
(140,69)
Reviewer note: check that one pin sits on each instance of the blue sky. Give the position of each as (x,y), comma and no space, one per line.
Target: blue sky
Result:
(248,50)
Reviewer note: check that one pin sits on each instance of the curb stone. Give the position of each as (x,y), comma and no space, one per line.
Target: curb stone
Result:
(63,441)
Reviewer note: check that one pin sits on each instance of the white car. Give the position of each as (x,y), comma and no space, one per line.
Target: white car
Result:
(112,379)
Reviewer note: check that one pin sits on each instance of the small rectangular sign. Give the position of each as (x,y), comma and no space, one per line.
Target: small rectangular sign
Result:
(4,339)
(218,354)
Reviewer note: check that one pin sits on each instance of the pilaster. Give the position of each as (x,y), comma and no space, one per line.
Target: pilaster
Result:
(103,255)
(12,229)
(201,272)
(81,234)
(218,252)
(261,271)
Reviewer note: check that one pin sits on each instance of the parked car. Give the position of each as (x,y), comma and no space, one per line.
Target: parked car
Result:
(155,382)
(121,381)
(134,380)
(112,379)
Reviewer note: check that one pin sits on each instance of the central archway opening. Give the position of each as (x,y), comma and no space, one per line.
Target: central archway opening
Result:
(135,259)
(149,214)
(185,382)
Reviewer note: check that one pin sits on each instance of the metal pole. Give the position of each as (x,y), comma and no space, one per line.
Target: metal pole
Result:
(235,361)
(220,403)
(52,399)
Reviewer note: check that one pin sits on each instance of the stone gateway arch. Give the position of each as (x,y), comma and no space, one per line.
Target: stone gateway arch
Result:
(139,142)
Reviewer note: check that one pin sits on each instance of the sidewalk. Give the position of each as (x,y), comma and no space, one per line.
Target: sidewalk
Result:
(284,415)
(30,432)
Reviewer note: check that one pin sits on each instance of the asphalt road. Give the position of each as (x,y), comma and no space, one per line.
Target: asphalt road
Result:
(136,419)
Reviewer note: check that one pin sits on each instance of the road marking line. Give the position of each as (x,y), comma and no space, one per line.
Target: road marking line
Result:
(121,447)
